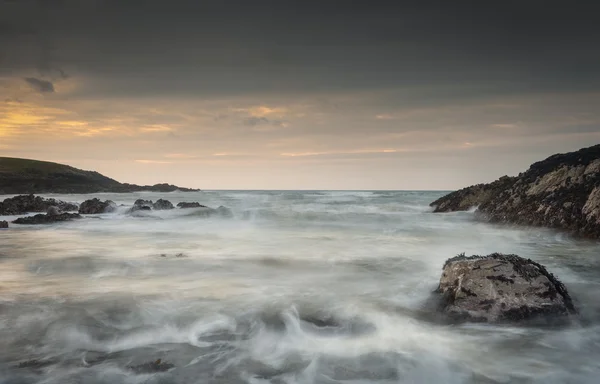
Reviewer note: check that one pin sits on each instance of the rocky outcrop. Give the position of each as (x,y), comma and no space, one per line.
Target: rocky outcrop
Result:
(162,204)
(141,205)
(95,206)
(3,224)
(501,288)
(19,205)
(471,197)
(191,205)
(47,218)
(561,192)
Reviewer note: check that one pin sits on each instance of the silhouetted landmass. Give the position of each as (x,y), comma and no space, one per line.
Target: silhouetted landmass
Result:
(32,176)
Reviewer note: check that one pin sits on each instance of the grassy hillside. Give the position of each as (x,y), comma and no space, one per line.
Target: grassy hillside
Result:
(33,176)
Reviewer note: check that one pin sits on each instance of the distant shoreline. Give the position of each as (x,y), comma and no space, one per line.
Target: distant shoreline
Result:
(25,176)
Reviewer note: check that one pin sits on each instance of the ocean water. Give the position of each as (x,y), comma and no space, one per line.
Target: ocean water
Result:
(296,287)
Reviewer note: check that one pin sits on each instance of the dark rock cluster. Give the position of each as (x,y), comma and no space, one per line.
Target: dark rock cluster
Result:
(95,206)
(184,204)
(47,218)
(29,203)
(3,224)
(55,208)
(561,192)
(162,205)
(141,205)
(501,288)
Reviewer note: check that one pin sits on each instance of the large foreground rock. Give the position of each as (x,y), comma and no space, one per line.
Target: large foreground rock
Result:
(560,192)
(21,204)
(47,219)
(501,288)
(95,205)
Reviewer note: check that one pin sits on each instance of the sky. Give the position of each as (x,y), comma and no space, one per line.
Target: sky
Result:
(222,94)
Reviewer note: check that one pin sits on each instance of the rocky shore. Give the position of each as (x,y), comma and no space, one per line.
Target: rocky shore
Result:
(58,211)
(561,192)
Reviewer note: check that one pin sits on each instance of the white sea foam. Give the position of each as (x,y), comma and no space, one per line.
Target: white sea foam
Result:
(295,287)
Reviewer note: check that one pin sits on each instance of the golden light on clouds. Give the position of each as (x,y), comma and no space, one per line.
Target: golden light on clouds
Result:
(156,128)
(145,161)
(349,152)
(263,111)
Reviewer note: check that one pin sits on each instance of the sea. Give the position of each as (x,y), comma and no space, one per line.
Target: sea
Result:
(293,287)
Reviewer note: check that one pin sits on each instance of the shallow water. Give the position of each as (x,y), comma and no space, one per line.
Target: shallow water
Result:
(297,287)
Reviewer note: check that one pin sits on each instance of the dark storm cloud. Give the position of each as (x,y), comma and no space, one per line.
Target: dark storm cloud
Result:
(205,47)
(42,86)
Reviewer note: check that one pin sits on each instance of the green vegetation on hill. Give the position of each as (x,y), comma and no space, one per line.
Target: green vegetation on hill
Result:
(33,176)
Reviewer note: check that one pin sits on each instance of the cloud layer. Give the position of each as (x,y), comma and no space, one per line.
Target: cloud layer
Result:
(264,94)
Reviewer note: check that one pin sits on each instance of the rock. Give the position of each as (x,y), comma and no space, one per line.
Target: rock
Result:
(47,219)
(21,204)
(162,204)
(3,224)
(95,206)
(471,197)
(561,192)
(142,202)
(191,205)
(501,288)
(141,205)
(53,210)
(152,367)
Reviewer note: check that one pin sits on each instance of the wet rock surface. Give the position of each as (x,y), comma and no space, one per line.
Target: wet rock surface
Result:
(29,203)
(47,218)
(152,367)
(141,205)
(191,205)
(95,206)
(162,204)
(561,192)
(3,224)
(501,288)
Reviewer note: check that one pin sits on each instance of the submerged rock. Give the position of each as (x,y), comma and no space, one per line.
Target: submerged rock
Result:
(561,192)
(95,206)
(224,211)
(29,203)
(3,224)
(162,204)
(47,219)
(36,364)
(501,288)
(191,205)
(152,367)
